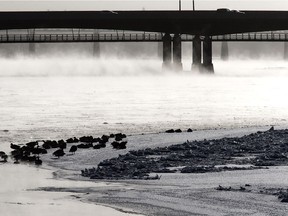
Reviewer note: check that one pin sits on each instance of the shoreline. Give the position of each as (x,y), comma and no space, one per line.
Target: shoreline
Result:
(132,187)
(170,194)
(83,158)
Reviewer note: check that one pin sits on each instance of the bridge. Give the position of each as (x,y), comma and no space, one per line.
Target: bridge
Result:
(204,26)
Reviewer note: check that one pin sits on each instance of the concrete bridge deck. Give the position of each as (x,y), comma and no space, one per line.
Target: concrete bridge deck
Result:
(181,22)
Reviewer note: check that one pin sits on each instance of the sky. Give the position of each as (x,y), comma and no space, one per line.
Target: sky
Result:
(142,4)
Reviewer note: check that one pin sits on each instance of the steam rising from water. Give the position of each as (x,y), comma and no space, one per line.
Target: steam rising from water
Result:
(74,65)
(66,96)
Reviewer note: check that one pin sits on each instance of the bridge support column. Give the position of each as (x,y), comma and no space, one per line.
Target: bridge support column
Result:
(96,49)
(167,48)
(197,53)
(207,55)
(286,50)
(224,51)
(96,45)
(32,48)
(159,49)
(177,53)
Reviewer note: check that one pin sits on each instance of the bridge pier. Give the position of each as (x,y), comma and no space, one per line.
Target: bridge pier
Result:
(96,49)
(285,50)
(197,53)
(177,53)
(159,47)
(207,66)
(32,48)
(167,51)
(96,45)
(224,51)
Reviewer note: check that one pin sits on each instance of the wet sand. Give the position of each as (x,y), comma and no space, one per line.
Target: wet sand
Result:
(19,194)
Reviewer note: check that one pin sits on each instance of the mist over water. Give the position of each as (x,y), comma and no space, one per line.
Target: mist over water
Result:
(62,96)
(84,65)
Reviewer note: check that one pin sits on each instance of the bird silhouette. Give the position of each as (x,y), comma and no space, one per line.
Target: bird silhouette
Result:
(38,161)
(59,153)
(15,147)
(73,149)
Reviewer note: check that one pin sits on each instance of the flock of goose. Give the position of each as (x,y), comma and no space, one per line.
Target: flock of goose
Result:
(30,152)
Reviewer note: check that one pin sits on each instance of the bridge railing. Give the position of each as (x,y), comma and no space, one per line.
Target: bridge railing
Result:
(116,37)
(80,37)
(252,37)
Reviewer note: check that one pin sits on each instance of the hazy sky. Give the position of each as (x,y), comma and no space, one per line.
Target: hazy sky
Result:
(142,4)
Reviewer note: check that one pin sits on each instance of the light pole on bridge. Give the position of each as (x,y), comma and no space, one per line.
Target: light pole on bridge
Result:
(193,3)
(180,5)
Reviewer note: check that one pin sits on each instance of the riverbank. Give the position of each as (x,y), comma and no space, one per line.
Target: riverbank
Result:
(179,193)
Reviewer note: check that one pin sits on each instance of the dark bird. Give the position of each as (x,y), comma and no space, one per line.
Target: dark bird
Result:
(17,158)
(115,144)
(95,140)
(85,146)
(59,153)
(51,144)
(189,130)
(105,138)
(170,131)
(103,141)
(100,145)
(36,151)
(38,161)
(73,149)
(87,139)
(76,140)
(31,158)
(15,147)
(70,140)
(97,146)
(17,152)
(122,145)
(46,145)
(44,151)
(62,145)
(120,136)
(4,157)
(32,144)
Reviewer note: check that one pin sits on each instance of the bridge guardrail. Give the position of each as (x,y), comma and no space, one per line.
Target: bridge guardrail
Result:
(126,37)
